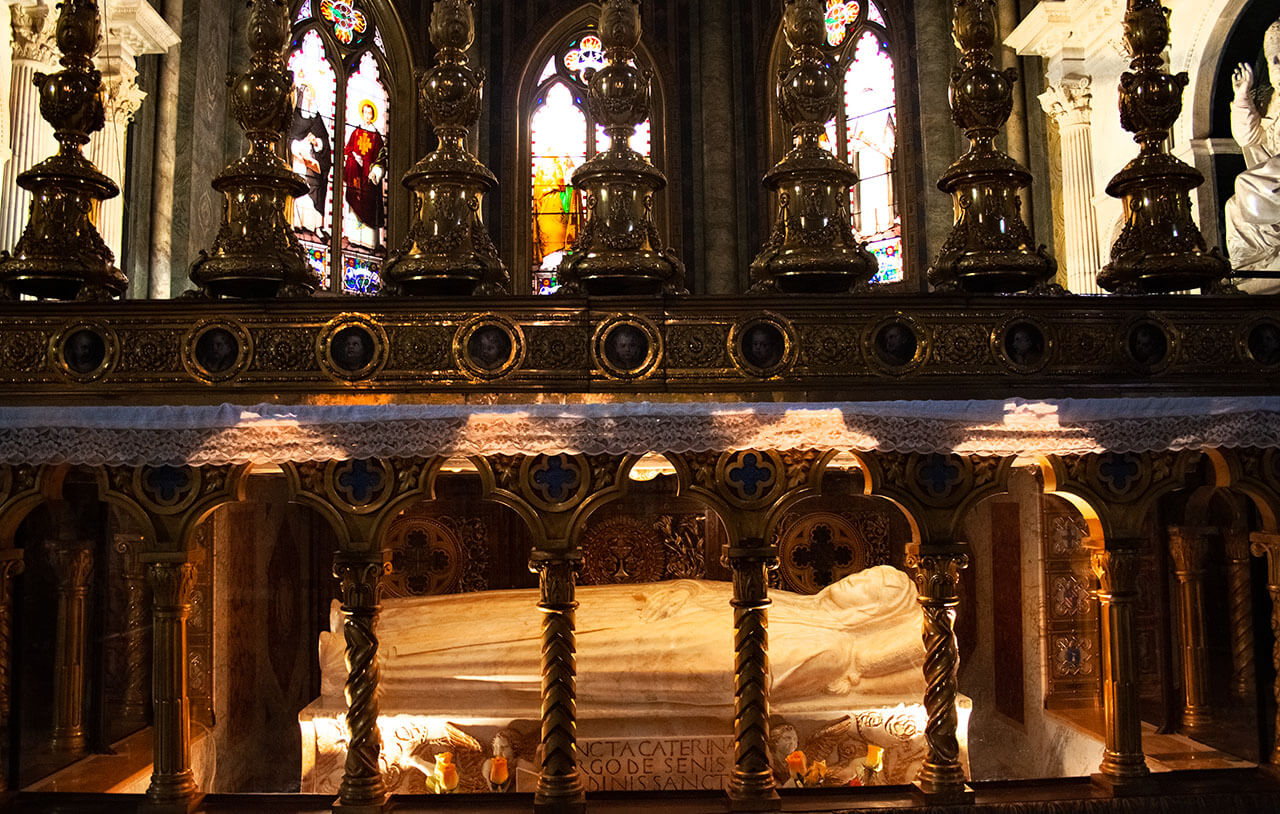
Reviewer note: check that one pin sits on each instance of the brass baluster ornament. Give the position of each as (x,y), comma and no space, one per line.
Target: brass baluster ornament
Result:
(812,248)
(619,249)
(256,253)
(448,250)
(990,249)
(1160,248)
(60,254)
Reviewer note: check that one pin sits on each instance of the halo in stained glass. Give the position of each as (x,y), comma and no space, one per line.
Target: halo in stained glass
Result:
(349,23)
(587,52)
(840,15)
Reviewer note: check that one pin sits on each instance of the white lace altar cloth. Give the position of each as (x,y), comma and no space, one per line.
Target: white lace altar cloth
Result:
(275,434)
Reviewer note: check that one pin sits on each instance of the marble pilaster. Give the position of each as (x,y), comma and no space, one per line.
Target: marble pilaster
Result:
(1069,104)
(30,137)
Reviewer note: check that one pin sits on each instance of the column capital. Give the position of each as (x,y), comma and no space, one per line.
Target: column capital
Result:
(1189,548)
(72,562)
(34,25)
(172,582)
(936,570)
(1236,543)
(1117,571)
(1070,102)
(1267,544)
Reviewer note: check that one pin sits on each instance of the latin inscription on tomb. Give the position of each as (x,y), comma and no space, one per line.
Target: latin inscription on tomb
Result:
(656,764)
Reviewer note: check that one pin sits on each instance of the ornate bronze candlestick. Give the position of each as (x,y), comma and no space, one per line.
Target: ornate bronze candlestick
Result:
(1160,248)
(990,249)
(256,253)
(448,250)
(812,248)
(60,254)
(619,250)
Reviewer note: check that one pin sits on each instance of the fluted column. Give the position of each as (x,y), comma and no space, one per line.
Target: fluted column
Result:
(1268,545)
(1069,104)
(173,787)
(1240,603)
(31,137)
(1189,548)
(560,788)
(1117,567)
(937,574)
(108,147)
(751,787)
(362,789)
(133,709)
(10,567)
(73,567)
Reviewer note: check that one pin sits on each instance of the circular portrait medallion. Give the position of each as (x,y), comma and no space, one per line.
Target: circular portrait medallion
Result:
(1022,345)
(763,347)
(352,347)
(1148,345)
(488,347)
(216,351)
(84,352)
(627,347)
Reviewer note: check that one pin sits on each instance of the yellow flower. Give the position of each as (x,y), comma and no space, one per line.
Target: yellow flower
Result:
(815,774)
(498,770)
(875,757)
(797,764)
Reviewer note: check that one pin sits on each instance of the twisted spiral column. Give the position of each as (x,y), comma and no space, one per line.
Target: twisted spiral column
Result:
(1189,548)
(1268,545)
(1239,594)
(362,786)
(10,566)
(1117,568)
(133,708)
(73,567)
(751,787)
(937,576)
(172,784)
(560,787)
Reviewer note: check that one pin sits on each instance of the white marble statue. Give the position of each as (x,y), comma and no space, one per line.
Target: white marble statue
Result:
(645,647)
(1253,213)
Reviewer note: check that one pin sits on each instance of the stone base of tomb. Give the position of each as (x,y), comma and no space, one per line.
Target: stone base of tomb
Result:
(678,752)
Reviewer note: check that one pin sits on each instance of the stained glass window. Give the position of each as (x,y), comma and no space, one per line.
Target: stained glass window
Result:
(866,134)
(339,143)
(562,136)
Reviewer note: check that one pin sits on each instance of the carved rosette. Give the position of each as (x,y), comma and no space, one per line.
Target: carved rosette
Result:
(990,248)
(751,786)
(362,777)
(448,250)
(256,253)
(937,577)
(619,249)
(61,255)
(812,248)
(560,787)
(1160,248)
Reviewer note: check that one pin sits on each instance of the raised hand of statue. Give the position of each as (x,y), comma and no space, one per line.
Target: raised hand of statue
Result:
(375,174)
(1242,81)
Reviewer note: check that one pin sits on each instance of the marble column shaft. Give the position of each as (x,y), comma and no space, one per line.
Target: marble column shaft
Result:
(560,787)
(31,136)
(1240,602)
(10,566)
(172,782)
(1189,548)
(1069,105)
(362,788)
(73,567)
(751,786)
(1117,569)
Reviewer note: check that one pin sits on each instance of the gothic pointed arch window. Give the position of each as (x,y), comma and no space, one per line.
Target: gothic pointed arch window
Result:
(865,131)
(349,113)
(559,135)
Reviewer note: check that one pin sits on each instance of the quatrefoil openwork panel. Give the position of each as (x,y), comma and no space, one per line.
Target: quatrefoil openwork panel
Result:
(1122,475)
(360,486)
(167,489)
(937,479)
(555,482)
(751,479)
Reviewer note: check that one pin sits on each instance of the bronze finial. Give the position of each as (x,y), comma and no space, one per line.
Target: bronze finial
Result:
(812,247)
(448,250)
(60,254)
(1160,248)
(256,253)
(619,250)
(990,249)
